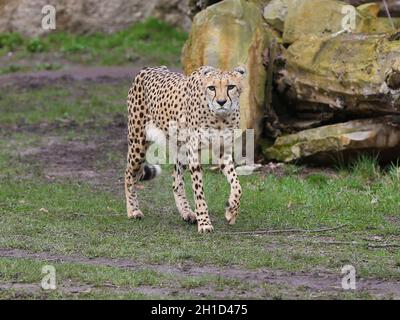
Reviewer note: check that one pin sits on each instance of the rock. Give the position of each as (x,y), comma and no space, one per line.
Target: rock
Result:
(195,6)
(228,34)
(293,18)
(349,73)
(89,16)
(300,22)
(275,13)
(372,135)
(393,5)
(370,8)
(326,77)
(382,25)
(173,12)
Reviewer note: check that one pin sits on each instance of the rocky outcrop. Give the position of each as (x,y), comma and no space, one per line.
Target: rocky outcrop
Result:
(309,80)
(174,12)
(88,16)
(352,74)
(324,143)
(333,88)
(228,34)
(293,18)
(394,6)
(195,6)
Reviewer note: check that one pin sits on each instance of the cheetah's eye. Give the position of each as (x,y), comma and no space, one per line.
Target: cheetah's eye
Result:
(211,88)
(231,87)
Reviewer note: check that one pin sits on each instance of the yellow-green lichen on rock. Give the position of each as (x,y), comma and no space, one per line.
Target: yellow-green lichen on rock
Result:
(225,35)
(370,8)
(275,13)
(298,18)
(350,72)
(377,134)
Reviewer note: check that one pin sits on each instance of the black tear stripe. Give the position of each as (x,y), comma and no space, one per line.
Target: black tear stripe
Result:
(229,97)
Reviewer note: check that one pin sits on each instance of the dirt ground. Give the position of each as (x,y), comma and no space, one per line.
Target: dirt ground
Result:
(317,282)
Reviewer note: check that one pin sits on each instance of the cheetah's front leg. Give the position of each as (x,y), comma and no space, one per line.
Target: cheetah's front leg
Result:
(180,197)
(196,174)
(232,209)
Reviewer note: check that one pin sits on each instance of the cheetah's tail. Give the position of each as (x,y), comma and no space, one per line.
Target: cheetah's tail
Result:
(150,171)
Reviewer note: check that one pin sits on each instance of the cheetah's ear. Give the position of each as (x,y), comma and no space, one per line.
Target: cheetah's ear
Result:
(205,70)
(241,70)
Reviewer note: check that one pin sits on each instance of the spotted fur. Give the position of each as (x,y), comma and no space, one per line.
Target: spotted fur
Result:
(206,99)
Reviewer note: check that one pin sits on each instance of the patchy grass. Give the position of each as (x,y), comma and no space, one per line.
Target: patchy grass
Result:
(151,42)
(41,216)
(30,271)
(76,218)
(82,281)
(79,103)
(12,68)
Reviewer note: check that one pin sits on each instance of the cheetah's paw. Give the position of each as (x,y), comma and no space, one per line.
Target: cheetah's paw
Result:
(230,217)
(136,214)
(207,228)
(189,216)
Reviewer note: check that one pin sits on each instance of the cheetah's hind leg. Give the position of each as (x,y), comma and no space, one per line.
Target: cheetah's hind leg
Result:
(134,172)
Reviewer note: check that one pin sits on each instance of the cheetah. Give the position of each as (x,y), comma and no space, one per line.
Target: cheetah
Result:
(207,99)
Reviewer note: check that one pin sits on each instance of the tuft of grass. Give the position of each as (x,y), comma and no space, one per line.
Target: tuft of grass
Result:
(366,167)
(394,172)
(47,66)
(12,68)
(35,45)
(10,41)
(318,179)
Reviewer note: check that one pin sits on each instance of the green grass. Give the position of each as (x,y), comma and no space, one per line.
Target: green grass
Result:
(79,219)
(12,68)
(10,41)
(83,281)
(76,102)
(69,217)
(95,280)
(29,271)
(151,41)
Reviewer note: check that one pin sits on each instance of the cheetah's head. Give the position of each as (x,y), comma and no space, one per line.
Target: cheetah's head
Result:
(222,89)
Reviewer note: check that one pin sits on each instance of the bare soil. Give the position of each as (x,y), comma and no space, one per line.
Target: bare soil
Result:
(317,282)
(81,160)
(74,73)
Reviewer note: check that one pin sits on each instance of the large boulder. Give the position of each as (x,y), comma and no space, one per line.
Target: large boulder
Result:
(326,76)
(195,6)
(349,73)
(379,135)
(89,16)
(297,18)
(228,34)
(174,12)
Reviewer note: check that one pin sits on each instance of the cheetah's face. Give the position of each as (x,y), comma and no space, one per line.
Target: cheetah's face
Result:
(222,90)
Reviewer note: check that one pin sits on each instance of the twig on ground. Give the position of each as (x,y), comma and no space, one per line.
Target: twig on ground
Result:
(357,243)
(258,232)
(384,245)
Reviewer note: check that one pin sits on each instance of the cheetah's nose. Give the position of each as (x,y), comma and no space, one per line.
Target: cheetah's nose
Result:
(221,102)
